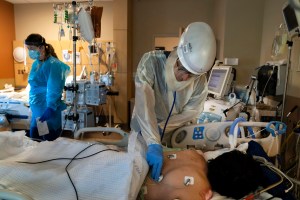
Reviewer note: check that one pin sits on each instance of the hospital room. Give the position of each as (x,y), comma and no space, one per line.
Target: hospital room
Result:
(149,100)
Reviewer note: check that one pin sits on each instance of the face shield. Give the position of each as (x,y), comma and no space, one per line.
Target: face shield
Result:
(173,84)
(197,48)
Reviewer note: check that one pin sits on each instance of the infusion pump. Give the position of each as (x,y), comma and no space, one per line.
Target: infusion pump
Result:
(85,118)
(80,96)
(86,93)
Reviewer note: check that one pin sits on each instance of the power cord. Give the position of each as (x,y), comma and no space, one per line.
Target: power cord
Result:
(71,160)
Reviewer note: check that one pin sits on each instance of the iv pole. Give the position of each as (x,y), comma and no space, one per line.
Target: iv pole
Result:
(75,87)
(74,64)
(290,45)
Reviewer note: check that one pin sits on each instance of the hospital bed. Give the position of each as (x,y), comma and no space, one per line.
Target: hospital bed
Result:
(71,169)
(220,135)
(14,108)
(77,169)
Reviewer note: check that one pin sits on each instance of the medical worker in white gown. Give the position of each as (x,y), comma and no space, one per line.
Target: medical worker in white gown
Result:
(174,85)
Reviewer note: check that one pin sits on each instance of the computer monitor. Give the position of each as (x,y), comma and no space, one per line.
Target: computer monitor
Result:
(291,17)
(271,79)
(219,81)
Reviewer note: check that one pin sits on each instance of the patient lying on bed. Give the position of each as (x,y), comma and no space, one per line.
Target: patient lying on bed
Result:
(233,175)
(184,177)
(240,175)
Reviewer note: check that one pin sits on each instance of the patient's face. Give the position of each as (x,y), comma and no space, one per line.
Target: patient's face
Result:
(184,177)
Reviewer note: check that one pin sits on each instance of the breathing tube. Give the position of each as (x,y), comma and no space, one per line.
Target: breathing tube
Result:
(235,122)
(234,131)
(163,132)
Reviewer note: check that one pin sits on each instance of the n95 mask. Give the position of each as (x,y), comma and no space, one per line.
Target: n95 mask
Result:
(34,54)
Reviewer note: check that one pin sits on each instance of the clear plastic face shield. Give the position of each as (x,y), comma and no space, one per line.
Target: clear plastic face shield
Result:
(181,73)
(35,44)
(177,76)
(34,52)
(180,67)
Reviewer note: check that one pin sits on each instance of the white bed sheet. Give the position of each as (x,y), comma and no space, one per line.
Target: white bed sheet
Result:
(107,175)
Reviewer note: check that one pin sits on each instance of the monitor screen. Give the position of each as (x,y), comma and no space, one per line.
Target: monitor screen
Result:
(271,79)
(219,80)
(291,17)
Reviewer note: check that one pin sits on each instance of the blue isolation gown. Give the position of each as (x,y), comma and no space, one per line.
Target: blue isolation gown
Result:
(47,79)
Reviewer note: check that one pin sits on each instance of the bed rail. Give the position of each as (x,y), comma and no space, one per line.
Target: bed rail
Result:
(123,142)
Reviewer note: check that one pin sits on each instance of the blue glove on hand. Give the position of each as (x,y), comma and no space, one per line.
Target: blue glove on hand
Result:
(155,160)
(49,112)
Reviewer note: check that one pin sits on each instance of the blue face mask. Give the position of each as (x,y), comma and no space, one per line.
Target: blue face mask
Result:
(34,54)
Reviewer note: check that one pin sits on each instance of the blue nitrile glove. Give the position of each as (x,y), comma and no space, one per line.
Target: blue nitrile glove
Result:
(155,160)
(49,112)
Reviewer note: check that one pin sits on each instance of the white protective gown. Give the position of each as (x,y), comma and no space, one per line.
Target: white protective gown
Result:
(155,84)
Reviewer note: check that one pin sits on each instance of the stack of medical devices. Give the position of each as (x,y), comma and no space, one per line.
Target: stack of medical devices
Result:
(226,105)
(219,85)
(82,94)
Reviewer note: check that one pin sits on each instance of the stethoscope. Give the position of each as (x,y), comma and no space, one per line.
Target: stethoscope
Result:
(174,99)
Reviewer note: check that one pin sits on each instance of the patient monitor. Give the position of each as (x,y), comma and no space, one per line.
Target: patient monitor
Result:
(219,84)
(291,17)
(219,81)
